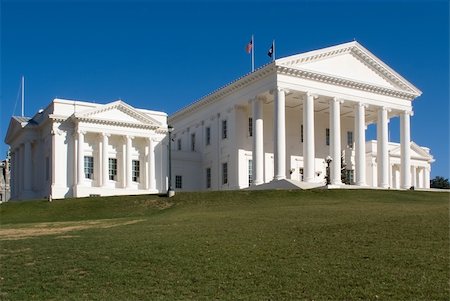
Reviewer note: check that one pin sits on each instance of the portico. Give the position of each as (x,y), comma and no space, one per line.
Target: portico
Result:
(300,110)
(76,149)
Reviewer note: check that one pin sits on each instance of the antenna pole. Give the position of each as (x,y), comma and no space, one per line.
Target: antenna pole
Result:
(23,93)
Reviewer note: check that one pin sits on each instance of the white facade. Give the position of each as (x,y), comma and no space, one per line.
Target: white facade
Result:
(277,123)
(283,120)
(76,149)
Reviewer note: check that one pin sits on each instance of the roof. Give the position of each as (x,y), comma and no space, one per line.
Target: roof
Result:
(295,65)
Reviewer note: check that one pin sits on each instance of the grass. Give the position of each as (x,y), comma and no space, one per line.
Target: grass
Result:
(259,245)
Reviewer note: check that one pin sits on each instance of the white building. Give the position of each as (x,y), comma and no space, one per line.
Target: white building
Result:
(76,149)
(276,124)
(283,120)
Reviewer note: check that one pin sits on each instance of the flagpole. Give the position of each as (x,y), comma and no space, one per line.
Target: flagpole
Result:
(23,94)
(253,54)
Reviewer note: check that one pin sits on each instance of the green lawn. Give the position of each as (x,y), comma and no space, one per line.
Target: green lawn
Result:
(259,245)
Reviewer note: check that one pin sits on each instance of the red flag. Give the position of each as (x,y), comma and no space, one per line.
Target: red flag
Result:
(249,46)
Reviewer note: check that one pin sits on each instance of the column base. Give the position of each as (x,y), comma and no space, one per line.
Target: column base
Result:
(279,177)
(256,183)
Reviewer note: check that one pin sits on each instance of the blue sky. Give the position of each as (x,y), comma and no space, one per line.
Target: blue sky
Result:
(165,55)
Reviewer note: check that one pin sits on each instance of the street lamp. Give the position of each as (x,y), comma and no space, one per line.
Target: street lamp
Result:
(328,159)
(170,192)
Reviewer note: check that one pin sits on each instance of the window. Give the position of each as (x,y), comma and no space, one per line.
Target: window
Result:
(112,163)
(349,175)
(350,139)
(327,136)
(47,168)
(135,170)
(89,167)
(224,129)
(179,144)
(250,127)
(301,133)
(224,173)
(178,182)
(193,142)
(208,177)
(250,172)
(208,135)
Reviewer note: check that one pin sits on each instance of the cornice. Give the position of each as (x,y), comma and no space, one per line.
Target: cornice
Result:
(118,123)
(344,82)
(225,90)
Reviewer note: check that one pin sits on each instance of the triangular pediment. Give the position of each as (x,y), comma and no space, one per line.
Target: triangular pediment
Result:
(416,152)
(349,61)
(118,112)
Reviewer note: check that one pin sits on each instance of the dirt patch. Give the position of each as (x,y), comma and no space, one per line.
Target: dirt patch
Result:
(60,228)
(158,203)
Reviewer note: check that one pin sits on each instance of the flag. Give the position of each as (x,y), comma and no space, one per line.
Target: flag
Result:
(249,46)
(270,52)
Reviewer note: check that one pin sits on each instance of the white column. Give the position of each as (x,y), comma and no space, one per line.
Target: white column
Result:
(405,150)
(12,182)
(280,135)
(258,142)
(27,166)
(360,145)
(308,141)
(105,160)
(128,162)
(382,148)
(151,165)
(53,164)
(80,157)
(414,177)
(335,141)
(426,177)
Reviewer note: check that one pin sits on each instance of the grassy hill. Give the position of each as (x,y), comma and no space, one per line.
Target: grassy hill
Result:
(259,245)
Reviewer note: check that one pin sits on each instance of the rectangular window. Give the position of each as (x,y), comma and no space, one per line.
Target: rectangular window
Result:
(250,172)
(135,170)
(327,136)
(224,173)
(250,127)
(112,163)
(179,182)
(349,176)
(208,177)
(88,167)
(224,129)
(350,139)
(193,142)
(47,168)
(301,133)
(179,144)
(208,135)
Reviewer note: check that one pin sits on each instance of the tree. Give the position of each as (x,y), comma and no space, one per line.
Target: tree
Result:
(440,182)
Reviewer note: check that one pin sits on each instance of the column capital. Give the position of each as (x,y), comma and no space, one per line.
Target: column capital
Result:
(279,89)
(361,104)
(337,99)
(105,134)
(384,108)
(309,94)
(81,132)
(408,112)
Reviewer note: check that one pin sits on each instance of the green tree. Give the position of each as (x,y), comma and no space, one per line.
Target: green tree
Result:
(440,182)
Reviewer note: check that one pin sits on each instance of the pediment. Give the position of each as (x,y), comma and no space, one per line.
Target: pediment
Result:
(416,152)
(118,112)
(350,61)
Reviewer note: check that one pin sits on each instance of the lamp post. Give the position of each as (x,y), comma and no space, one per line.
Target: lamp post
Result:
(170,191)
(328,159)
